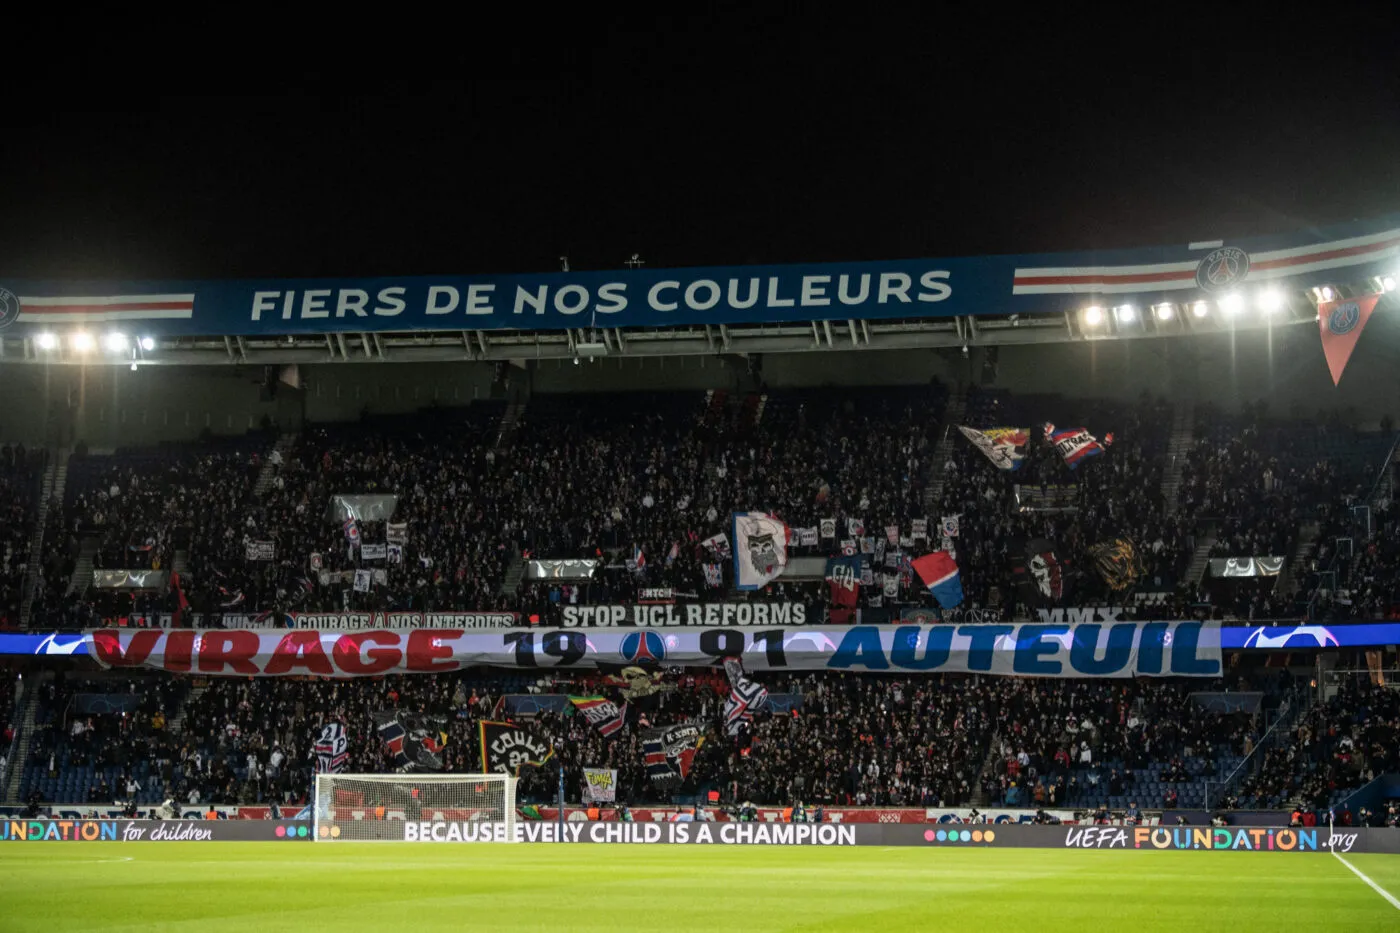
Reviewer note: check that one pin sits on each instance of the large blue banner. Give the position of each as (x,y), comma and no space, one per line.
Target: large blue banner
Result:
(913,288)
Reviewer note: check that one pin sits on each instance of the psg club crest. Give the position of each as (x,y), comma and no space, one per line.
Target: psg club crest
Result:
(9,307)
(643,648)
(1344,318)
(1222,268)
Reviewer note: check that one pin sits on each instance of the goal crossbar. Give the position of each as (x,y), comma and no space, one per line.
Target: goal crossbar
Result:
(379,807)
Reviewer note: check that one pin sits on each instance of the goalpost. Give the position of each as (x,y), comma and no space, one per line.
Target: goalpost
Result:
(396,807)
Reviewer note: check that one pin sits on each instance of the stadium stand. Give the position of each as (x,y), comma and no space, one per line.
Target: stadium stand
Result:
(20,473)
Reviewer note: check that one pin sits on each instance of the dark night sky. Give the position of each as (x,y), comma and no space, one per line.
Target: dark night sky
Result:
(697,157)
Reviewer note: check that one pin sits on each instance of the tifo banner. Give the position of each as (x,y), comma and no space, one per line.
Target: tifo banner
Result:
(508,749)
(1246,566)
(374,551)
(1124,649)
(1075,444)
(129,579)
(332,749)
(760,549)
(352,621)
(691,615)
(259,550)
(1005,447)
(365,508)
(152,830)
(600,785)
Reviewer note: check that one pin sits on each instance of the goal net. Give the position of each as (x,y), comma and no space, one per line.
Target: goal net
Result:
(414,807)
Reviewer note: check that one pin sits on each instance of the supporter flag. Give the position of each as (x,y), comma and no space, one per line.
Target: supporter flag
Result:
(362,581)
(843,575)
(315,560)
(920,529)
(332,749)
(395,553)
(396,533)
(760,549)
(745,697)
(828,528)
(855,527)
(949,525)
(892,534)
(672,554)
(807,537)
(1117,562)
(1039,573)
(414,741)
(940,574)
(507,748)
(713,575)
(600,785)
(352,532)
(1342,323)
(891,588)
(667,751)
(718,545)
(1005,447)
(603,714)
(639,559)
(1076,444)
(182,602)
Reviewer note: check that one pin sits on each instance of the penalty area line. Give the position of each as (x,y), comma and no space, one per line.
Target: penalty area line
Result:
(1374,887)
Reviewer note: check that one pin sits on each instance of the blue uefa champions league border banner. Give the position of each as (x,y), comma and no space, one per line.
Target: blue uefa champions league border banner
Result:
(1231,638)
(913,288)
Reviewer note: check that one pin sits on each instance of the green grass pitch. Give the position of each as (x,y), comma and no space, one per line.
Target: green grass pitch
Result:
(266,887)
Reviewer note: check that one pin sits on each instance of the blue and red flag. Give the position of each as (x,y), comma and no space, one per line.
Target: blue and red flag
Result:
(1076,444)
(940,574)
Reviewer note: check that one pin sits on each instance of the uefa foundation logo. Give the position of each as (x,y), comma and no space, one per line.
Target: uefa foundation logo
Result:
(1222,268)
(9,307)
(974,836)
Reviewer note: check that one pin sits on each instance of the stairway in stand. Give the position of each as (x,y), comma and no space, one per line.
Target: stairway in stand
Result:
(952,416)
(514,573)
(55,479)
(283,449)
(30,699)
(510,420)
(1308,533)
(1182,440)
(82,569)
(1200,558)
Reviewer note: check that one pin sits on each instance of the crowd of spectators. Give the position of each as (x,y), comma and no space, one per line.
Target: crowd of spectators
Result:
(613,476)
(839,739)
(1096,742)
(1335,746)
(21,472)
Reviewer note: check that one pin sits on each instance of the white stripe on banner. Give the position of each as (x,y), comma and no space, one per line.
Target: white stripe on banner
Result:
(1124,649)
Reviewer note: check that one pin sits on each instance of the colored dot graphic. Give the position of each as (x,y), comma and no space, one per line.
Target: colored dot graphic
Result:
(302,831)
(280,831)
(963,835)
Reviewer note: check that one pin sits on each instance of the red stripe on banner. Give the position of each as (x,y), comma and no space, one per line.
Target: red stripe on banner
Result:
(1105,278)
(1325,255)
(109,309)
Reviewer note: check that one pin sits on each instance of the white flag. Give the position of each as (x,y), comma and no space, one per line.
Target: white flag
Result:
(760,549)
(828,527)
(362,578)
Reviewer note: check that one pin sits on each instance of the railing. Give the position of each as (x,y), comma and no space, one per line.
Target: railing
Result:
(12,754)
(1365,501)
(1287,712)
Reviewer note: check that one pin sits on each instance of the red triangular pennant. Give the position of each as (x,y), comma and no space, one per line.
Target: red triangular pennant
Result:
(1342,323)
